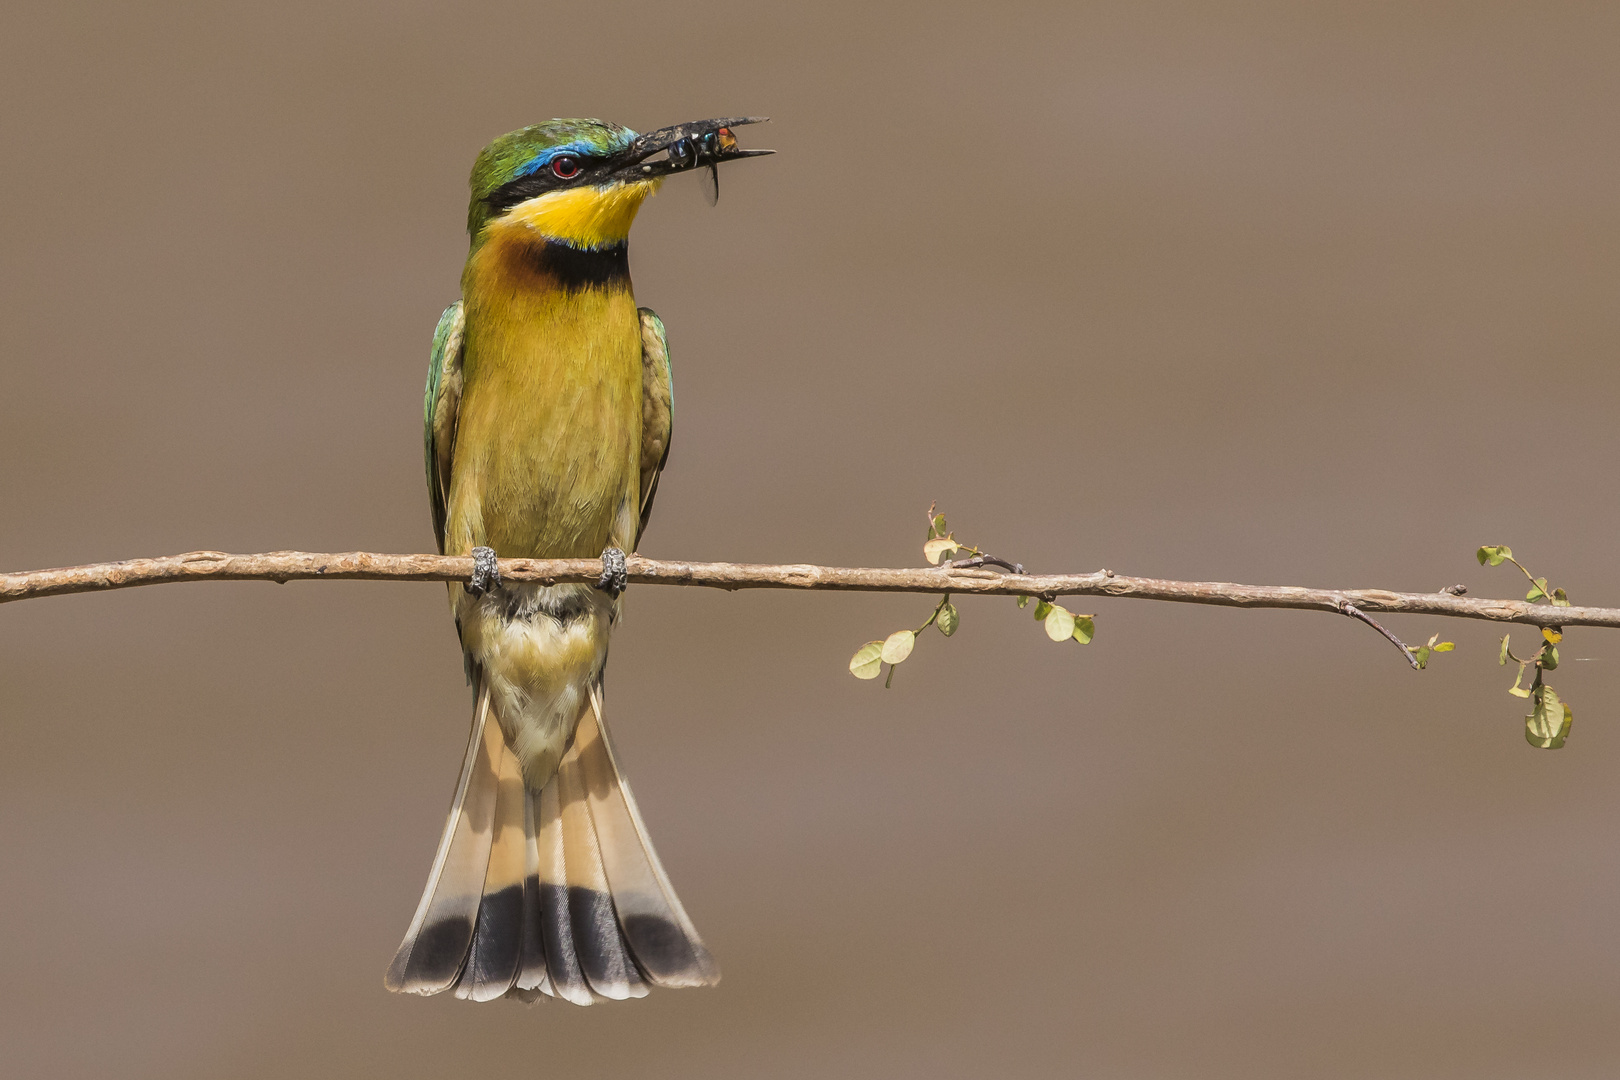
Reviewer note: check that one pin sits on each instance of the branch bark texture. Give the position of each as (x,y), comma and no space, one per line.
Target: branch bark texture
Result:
(284,566)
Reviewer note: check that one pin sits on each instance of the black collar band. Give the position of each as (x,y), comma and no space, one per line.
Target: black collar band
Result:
(583,268)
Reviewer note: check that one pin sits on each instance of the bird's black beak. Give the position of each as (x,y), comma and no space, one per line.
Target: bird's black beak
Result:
(686,146)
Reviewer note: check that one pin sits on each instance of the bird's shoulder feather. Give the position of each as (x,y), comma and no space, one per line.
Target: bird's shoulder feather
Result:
(440,404)
(657,408)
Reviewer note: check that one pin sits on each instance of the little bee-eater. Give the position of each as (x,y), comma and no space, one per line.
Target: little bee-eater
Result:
(548,414)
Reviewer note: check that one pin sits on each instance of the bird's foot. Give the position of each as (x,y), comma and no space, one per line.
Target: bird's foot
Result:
(614,577)
(486,573)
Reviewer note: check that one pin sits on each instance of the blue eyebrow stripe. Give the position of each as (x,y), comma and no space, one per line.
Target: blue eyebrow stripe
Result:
(578,146)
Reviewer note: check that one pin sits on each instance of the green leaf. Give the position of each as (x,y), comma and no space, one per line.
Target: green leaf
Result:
(1060,624)
(939,525)
(1042,610)
(1538,590)
(867,663)
(939,547)
(1494,554)
(1501,658)
(1084,629)
(1549,721)
(1422,653)
(898,645)
(949,619)
(1560,598)
(1515,689)
(1549,658)
(1022,601)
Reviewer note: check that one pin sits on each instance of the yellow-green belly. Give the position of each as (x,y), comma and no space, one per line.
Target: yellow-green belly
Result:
(548,439)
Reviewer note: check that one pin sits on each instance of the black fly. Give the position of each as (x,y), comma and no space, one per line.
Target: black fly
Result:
(705,151)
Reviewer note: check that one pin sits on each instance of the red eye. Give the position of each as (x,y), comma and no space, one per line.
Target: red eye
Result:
(565,166)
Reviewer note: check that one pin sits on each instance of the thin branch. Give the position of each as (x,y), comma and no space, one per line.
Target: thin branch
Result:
(973,562)
(1356,613)
(284,566)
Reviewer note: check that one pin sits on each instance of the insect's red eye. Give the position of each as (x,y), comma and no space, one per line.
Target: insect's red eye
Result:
(565,166)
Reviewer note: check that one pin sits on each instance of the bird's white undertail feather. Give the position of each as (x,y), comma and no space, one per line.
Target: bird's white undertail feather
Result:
(430,958)
(540,648)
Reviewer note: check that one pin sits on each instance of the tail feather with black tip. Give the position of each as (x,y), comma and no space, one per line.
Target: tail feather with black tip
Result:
(556,892)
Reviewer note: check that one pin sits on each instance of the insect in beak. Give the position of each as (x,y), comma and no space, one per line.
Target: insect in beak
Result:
(700,145)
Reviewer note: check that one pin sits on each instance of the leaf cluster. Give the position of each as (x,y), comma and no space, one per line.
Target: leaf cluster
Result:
(868,661)
(1547,726)
(1062,624)
(941,545)
(1421,654)
(1497,554)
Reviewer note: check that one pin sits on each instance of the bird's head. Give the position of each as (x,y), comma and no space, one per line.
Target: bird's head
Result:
(580,182)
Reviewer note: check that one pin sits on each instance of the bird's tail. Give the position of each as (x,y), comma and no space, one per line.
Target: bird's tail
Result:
(555,892)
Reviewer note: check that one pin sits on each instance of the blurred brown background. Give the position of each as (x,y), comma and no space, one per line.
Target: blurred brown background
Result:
(1319,295)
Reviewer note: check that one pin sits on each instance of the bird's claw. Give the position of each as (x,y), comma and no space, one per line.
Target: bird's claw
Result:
(614,576)
(486,573)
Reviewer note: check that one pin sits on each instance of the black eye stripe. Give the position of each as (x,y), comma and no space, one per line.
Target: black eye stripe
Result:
(543,180)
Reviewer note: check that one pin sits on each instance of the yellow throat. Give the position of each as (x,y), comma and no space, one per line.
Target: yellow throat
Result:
(584,217)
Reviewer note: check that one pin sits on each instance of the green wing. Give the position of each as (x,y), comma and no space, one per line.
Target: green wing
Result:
(440,404)
(657,409)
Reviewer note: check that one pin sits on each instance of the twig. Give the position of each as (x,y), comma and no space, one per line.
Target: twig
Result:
(973,562)
(283,566)
(1356,613)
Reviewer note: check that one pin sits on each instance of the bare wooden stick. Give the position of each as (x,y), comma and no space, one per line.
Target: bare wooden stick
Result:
(284,566)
